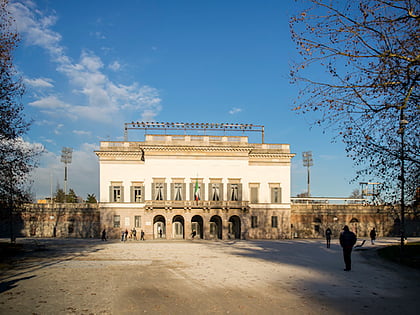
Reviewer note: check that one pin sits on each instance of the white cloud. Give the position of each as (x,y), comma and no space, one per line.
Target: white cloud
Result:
(49,102)
(115,66)
(82,132)
(39,82)
(235,110)
(104,98)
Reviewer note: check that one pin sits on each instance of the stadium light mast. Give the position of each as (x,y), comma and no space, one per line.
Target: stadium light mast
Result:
(66,155)
(308,162)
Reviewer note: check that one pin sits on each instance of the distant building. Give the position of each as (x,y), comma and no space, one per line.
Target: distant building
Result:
(220,187)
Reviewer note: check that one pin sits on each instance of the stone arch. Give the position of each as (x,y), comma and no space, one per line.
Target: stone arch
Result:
(216,227)
(235,227)
(159,226)
(178,227)
(197,226)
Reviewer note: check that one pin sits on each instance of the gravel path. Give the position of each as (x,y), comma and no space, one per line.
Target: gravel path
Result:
(73,276)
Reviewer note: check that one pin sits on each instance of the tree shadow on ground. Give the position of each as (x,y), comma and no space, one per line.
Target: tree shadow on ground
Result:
(31,255)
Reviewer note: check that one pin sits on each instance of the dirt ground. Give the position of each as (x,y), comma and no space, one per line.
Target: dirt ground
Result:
(74,276)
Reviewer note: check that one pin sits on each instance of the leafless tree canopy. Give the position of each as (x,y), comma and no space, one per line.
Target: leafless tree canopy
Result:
(16,156)
(359,75)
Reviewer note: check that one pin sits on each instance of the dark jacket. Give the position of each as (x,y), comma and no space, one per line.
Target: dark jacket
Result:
(347,239)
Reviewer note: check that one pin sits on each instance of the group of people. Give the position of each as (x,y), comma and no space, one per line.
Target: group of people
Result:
(133,235)
(124,235)
(347,241)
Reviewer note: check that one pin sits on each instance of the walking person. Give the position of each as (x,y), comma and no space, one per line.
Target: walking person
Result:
(373,236)
(125,235)
(142,235)
(328,237)
(134,232)
(122,236)
(104,235)
(347,241)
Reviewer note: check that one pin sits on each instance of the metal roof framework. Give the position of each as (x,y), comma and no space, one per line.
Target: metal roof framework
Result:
(202,127)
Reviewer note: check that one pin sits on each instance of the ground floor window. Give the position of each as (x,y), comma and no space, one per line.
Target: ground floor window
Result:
(254,221)
(116,221)
(137,221)
(274,222)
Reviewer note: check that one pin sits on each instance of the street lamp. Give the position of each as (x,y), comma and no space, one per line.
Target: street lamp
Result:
(308,162)
(401,130)
(66,154)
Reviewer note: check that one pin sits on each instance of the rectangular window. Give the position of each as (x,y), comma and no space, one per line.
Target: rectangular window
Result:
(274,222)
(254,194)
(234,192)
(116,193)
(159,193)
(178,191)
(137,221)
(254,221)
(138,193)
(215,192)
(117,221)
(275,195)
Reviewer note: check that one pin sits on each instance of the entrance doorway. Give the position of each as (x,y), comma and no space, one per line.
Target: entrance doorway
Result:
(178,227)
(234,227)
(216,227)
(197,226)
(159,227)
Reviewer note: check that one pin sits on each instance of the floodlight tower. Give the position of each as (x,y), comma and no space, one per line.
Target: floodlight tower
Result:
(308,162)
(66,154)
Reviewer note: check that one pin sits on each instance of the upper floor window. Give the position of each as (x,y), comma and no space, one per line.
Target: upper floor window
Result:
(159,191)
(275,194)
(137,193)
(116,192)
(178,191)
(254,194)
(215,192)
(235,192)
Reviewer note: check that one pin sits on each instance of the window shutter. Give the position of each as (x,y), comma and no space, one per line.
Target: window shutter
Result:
(184,193)
(229,191)
(280,197)
(153,191)
(221,191)
(110,194)
(122,193)
(172,186)
(143,188)
(239,192)
(165,186)
(132,199)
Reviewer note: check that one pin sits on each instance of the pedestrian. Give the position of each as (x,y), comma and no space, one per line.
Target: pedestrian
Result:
(142,235)
(104,235)
(347,241)
(125,234)
(328,237)
(122,236)
(134,232)
(160,232)
(373,236)
(193,234)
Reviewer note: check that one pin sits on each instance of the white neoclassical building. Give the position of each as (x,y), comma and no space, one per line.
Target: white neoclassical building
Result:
(173,185)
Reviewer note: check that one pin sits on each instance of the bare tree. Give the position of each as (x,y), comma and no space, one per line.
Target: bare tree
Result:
(360,77)
(16,155)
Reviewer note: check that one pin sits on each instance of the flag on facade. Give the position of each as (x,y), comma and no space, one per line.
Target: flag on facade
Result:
(196,191)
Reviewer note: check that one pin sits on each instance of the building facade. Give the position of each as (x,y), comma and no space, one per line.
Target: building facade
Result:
(214,187)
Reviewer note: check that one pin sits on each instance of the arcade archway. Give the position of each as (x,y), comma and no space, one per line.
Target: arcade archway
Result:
(178,227)
(159,227)
(234,227)
(197,226)
(216,227)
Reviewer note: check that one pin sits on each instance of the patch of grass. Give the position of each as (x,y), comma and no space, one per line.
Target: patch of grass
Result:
(411,254)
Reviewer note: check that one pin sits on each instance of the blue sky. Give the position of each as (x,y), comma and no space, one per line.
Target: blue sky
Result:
(90,66)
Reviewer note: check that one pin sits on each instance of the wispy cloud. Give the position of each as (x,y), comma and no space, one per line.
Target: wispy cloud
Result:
(39,82)
(235,110)
(115,66)
(82,132)
(103,97)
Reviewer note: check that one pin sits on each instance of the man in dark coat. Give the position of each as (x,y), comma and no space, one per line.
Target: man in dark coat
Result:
(373,236)
(347,241)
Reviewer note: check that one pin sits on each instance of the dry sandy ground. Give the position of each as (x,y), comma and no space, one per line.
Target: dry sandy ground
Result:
(204,277)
